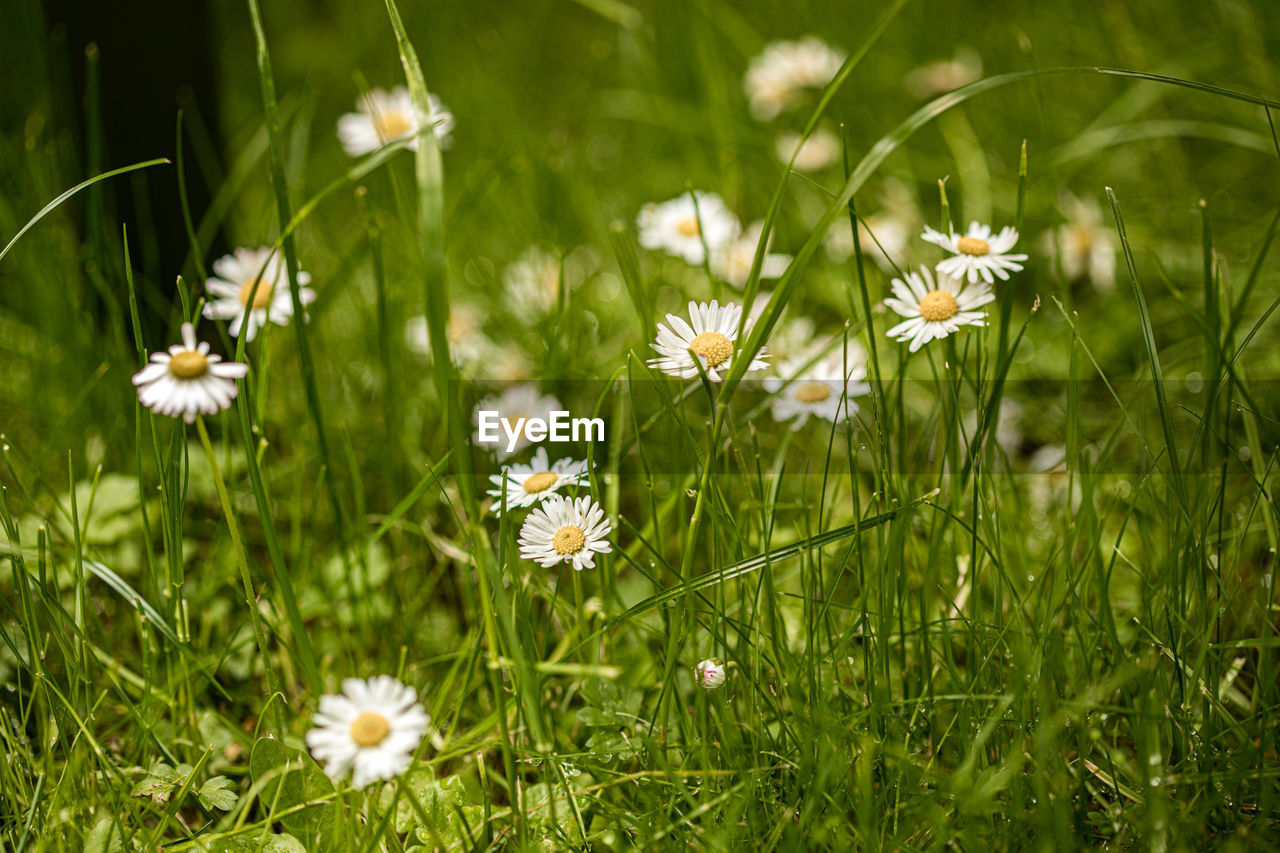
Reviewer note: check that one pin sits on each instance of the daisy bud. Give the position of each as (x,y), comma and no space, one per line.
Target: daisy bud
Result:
(710,675)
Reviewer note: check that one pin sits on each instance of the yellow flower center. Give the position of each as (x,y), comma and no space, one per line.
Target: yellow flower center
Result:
(688,227)
(972,246)
(370,729)
(712,346)
(539,482)
(261,299)
(812,392)
(188,364)
(568,539)
(938,305)
(392,124)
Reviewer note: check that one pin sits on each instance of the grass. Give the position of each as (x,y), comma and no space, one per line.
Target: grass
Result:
(1023,600)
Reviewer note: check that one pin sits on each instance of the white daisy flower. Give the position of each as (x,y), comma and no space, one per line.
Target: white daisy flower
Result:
(236,279)
(732,263)
(710,333)
(819,151)
(468,343)
(522,400)
(944,75)
(934,312)
(537,481)
(1087,249)
(825,389)
(188,380)
(562,530)
(776,78)
(710,675)
(371,730)
(679,228)
(977,252)
(383,117)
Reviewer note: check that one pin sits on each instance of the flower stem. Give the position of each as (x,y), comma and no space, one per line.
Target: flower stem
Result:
(273,681)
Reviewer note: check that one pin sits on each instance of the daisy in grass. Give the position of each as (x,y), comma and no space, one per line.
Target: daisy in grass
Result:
(819,151)
(370,730)
(944,75)
(935,311)
(188,380)
(733,262)
(383,117)
(564,530)
(777,77)
(522,400)
(710,334)
(534,280)
(537,481)
(977,253)
(467,340)
(679,227)
(236,280)
(1086,247)
(824,389)
(710,675)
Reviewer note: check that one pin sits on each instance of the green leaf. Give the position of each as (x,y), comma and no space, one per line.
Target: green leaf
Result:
(105,838)
(218,793)
(292,778)
(160,781)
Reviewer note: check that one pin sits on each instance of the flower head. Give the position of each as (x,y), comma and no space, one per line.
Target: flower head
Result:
(824,389)
(680,227)
(819,151)
(711,334)
(935,311)
(383,117)
(977,252)
(733,262)
(468,344)
(258,275)
(537,481)
(710,675)
(371,730)
(188,380)
(944,75)
(1087,249)
(522,400)
(565,530)
(776,78)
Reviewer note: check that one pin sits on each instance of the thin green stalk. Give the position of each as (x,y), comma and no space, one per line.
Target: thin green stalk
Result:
(242,561)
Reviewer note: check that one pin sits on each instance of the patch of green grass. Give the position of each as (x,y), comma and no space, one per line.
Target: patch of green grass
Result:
(1022,599)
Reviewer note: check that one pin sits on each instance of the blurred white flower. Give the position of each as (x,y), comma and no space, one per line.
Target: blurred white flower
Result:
(1086,247)
(680,228)
(776,78)
(934,312)
(383,117)
(468,344)
(371,730)
(522,400)
(977,252)
(188,380)
(819,151)
(710,675)
(532,282)
(732,262)
(537,481)
(710,334)
(562,530)
(825,389)
(1008,430)
(944,75)
(236,281)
